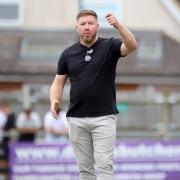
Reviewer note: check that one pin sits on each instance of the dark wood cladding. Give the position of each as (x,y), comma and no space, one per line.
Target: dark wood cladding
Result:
(128,68)
(10,86)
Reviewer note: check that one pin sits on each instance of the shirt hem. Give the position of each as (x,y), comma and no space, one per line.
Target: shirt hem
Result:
(91,115)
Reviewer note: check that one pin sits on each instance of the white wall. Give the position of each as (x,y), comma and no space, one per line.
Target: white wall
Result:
(50,13)
(150,15)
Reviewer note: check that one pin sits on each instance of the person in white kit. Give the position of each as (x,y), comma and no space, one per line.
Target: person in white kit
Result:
(28,124)
(3,119)
(56,130)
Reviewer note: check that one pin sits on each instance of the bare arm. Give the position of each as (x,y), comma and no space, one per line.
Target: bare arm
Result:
(129,42)
(49,129)
(28,130)
(56,93)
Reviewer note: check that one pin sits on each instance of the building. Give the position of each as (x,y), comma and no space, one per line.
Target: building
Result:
(32,38)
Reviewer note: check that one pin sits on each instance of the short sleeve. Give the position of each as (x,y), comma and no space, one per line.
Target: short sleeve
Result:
(47,119)
(62,65)
(117,46)
(37,119)
(3,119)
(64,119)
(19,122)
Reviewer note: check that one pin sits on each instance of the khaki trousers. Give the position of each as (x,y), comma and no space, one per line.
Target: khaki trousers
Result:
(93,140)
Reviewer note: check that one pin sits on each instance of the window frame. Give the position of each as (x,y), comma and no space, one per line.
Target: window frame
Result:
(102,8)
(13,22)
(150,44)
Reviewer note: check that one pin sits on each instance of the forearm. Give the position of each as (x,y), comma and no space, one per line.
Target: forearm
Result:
(57,88)
(60,132)
(56,132)
(129,43)
(55,92)
(127,36)
(28,130)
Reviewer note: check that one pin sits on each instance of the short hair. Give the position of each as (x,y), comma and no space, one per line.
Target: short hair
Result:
(86,12)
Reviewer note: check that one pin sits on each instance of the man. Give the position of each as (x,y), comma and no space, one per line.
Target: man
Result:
(3,120)
(90,64)
(8,127)
(56,130)
(28,124)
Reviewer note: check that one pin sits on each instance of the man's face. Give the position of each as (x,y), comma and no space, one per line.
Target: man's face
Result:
(87,27)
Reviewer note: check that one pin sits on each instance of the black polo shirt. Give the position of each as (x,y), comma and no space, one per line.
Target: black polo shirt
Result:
(92,90)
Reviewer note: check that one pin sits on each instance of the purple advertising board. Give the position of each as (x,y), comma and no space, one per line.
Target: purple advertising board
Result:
(133,160)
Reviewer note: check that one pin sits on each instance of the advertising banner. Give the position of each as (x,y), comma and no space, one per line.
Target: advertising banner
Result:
(147,160)
(133,160)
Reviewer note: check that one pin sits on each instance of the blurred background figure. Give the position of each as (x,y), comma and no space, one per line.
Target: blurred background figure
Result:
(3,120)
(28,124)
(9,126)
(56,130)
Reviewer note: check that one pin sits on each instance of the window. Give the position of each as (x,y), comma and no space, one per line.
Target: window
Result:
(41,50)
(150,51)
(11,12)
(102,8)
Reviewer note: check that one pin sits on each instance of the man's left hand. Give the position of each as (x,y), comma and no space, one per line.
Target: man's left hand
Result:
(112,20)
